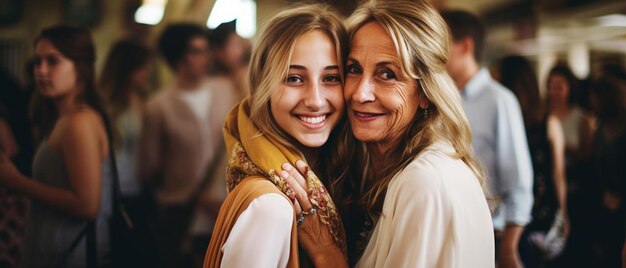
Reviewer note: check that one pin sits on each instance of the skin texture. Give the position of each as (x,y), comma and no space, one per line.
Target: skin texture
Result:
(309,103)
(381,99)
(312,88)
(78,135)
(381,102)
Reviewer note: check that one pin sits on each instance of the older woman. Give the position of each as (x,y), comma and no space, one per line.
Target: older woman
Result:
(421,188)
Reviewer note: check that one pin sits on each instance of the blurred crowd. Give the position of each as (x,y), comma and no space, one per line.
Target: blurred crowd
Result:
(170,156)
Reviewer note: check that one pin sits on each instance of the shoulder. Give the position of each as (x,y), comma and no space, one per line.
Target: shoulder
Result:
(85,120)
(161,96)
(220,82)
(425,173)
(271,207)
(501,93)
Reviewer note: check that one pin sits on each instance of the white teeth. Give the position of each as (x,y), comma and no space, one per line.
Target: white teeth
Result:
(313,120)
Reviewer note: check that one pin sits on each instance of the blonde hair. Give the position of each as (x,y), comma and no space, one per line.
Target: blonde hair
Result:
(421,39)
(270,59)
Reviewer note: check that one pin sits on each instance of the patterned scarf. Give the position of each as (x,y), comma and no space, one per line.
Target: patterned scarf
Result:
(252,154)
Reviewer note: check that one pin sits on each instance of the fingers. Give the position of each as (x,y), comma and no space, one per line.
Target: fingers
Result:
(301,195)
(296,174)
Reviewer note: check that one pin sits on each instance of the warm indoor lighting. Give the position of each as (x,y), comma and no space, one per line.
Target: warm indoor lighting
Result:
(150,12)
(242,10)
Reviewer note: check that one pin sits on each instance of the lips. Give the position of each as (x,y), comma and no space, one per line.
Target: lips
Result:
(366,116)
(313,121)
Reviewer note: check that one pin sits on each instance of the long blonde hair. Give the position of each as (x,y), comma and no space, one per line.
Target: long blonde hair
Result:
(421,39)
(271,57)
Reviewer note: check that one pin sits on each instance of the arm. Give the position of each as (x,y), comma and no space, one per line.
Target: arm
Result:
(261,237)
(150,144)
(557,146)
(7,142)
(585,137)
(81,149)
(515,177)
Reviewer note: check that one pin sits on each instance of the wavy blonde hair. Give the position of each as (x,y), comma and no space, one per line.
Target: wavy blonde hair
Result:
(422,41)
(271,57)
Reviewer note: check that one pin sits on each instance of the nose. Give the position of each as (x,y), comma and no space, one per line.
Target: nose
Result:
(40,69)
(314,98)
(364,91)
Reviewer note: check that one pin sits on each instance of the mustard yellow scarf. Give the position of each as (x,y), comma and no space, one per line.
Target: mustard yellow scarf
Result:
(252,154)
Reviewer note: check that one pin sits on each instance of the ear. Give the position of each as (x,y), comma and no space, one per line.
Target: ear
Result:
(422,100)
(467,46)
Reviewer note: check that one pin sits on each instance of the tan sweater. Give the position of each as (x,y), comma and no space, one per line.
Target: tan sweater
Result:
(177,148)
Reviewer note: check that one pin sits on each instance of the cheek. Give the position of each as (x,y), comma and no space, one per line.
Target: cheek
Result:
(348,89)
(403,105)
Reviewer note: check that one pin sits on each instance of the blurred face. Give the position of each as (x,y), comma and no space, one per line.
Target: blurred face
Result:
(141,77)
(455,65)
(309,103)
(382,100)
(558,88)
(196,60)
(55,74)
(232,53)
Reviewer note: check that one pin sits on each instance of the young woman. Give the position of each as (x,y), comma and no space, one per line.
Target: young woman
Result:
(547,148)
(295,103)
(68,187)
(421,188)
(123,82)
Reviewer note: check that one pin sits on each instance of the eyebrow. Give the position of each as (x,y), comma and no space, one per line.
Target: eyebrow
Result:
(300,67)
(382,63)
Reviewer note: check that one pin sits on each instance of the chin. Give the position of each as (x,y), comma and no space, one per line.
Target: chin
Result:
(313,141)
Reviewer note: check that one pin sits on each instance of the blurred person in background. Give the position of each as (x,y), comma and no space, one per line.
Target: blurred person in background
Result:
(499,139)
(547,149)
(608,101)
(181,151)
(577,125)
(123,83)
(16,145)
(231,54)
(68,187)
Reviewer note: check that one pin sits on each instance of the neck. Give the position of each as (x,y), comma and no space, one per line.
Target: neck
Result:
(379,156)
(186,81)
(67,103)
(559,108)
(467,74)
(311,155)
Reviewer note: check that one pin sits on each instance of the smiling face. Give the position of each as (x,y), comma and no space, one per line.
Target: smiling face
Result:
(309,102)
(382,100)
(55,74)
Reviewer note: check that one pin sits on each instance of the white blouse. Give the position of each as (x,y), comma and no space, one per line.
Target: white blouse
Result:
(261,237)
(434,215)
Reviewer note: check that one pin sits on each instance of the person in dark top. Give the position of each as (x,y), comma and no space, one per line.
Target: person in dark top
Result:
(608,98)
(547,148)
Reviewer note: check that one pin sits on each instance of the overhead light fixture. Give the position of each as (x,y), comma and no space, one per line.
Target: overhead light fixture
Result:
(613,20)
(242,10)
(150,12)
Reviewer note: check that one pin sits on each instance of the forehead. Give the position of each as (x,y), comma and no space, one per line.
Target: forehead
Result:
(45,46)
(371,39)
